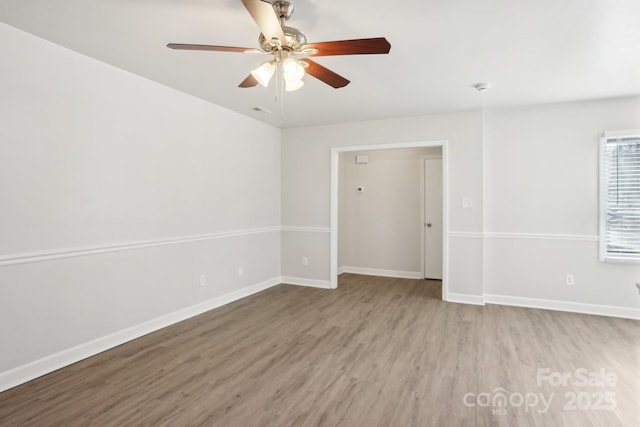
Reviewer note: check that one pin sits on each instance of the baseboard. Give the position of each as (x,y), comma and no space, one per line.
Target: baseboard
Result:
(38,368)
(465,299)
(568,306)
(382,273)
(301,281)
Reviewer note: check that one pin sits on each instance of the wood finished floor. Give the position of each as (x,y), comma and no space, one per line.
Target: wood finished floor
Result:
(375,352)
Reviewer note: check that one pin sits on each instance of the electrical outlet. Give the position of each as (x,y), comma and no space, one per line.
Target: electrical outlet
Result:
(203,280)
(240,271)
(305,261)
(569,280)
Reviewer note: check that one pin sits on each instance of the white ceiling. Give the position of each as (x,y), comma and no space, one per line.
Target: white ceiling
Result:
(533,51)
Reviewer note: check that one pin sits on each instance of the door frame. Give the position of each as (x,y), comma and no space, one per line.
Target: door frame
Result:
(423,217)
(334,200)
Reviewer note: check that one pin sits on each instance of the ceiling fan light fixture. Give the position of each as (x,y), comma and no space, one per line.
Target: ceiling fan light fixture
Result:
(264,73)
(291,85)
(293,70)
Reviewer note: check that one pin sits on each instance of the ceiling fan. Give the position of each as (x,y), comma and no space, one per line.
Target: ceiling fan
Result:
(287,44)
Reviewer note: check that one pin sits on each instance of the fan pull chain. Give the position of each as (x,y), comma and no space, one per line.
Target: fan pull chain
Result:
(277,83)
(282,98)
(279,95)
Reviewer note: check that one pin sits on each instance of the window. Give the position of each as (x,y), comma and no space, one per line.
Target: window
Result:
(620,196)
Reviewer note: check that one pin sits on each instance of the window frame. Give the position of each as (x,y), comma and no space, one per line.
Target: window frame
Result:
(604,255)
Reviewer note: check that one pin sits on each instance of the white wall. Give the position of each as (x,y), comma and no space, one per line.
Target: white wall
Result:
(94,157)
(306,170)
(539,219)
(541,200)
(381,228)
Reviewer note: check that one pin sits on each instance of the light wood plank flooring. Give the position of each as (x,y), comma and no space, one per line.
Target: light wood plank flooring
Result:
(375,352)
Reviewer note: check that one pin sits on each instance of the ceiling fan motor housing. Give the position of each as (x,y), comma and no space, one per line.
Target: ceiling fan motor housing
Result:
(295,38)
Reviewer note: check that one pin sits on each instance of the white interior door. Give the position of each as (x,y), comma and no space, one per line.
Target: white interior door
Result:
(433,218)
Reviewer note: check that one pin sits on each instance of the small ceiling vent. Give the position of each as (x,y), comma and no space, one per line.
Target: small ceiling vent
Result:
(482,87)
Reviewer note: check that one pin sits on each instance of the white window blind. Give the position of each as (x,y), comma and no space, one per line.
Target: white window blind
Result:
(620,198)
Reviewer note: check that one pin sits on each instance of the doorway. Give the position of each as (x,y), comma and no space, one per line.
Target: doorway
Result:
(432,237)
(334,201)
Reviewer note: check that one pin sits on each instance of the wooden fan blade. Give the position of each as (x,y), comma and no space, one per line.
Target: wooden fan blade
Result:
(250,81)
(266,18)
(325,75)
(180,46)
(378,45)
